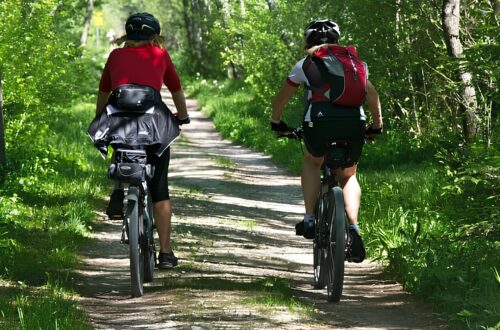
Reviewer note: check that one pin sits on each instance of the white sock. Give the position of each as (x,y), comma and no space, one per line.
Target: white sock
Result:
(355,227)
(309,219)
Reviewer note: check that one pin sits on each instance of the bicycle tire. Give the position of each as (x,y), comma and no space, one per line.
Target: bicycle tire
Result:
(148,243)
(319,267)
(135,227)
(336,249)
(319,251)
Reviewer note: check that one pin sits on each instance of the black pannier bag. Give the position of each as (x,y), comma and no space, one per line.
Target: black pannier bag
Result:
(153,131)
(130,167)
(131,97)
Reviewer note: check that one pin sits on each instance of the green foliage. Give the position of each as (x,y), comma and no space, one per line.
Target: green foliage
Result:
(48,192)
(258,47)
(38,52)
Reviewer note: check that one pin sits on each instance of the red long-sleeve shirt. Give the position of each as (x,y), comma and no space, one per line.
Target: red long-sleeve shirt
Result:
(145,65)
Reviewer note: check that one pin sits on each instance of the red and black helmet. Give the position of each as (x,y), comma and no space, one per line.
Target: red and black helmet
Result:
(321,31)
(142,26)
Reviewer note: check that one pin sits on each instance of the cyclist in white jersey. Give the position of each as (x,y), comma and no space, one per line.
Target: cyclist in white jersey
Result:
(324,122)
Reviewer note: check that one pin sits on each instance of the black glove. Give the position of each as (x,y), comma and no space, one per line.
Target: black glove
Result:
(370,132)
(281,127)
(186,120)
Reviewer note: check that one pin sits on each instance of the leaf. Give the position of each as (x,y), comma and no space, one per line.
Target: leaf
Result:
(465,313)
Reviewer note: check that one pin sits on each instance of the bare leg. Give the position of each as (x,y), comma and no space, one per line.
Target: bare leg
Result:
(163,216)
(352,192)
(311,180)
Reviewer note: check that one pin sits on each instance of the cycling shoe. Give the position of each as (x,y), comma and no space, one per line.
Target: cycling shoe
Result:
(302,230)
(115,206)
(356,251)
(167,260)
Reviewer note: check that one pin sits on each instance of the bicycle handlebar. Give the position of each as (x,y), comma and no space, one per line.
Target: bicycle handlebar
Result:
(295,134)
(298,133)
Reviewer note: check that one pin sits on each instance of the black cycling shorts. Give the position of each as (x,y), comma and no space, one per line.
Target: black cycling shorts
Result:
(158,186)
(318,138)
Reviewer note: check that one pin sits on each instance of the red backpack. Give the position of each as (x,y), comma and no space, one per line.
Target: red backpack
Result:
(344,75)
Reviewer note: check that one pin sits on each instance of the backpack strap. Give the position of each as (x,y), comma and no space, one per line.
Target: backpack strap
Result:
(318,92)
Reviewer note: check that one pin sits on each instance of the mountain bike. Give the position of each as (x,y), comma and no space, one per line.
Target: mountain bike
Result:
(331,241)
(133,173)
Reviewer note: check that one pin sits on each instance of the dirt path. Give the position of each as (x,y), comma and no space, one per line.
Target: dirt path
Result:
(234,214)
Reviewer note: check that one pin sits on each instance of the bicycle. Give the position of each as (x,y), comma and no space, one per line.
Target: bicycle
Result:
(132,172)
(332,241)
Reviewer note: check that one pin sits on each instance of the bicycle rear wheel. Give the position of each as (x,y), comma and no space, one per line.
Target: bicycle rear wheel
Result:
(149,243)
(336,246)
(135,234)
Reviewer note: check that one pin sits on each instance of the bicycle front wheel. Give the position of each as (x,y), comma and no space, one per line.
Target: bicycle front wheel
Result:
(320,266)
(319,250)
(135,228)
(149,243)
(336,246)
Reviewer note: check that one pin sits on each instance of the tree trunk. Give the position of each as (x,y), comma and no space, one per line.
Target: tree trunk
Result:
(271,4)
(192,12)
(242,8)
(450,17)
(496,5)
(231,70)
(86,24)
(226,10)
(2,140)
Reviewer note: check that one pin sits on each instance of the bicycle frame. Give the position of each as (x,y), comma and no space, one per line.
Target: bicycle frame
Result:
(132,172)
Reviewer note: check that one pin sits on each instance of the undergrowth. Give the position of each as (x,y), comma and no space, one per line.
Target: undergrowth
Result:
(49,190)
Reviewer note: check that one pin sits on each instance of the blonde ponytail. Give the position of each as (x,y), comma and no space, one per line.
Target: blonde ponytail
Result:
(156,40)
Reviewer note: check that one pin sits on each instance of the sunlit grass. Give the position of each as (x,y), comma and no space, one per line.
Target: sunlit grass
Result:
(224,162)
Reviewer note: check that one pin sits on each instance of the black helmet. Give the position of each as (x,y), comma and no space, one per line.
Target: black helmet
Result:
(321,31)
(141,26)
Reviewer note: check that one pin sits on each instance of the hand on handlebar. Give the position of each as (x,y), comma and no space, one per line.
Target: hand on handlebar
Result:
(283,130)
(280,128)
(182,121)
(371,132)
(296,134)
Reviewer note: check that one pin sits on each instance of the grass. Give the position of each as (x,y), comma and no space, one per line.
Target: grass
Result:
(250,224)
(47,307)
(433,225)
(267,293)
(224,162)
(50,187)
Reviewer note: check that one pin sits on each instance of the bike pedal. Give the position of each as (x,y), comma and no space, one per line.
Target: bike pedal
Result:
(124,241)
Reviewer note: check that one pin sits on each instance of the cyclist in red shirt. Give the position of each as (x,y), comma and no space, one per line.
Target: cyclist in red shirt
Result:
(144,61)
(346,123)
